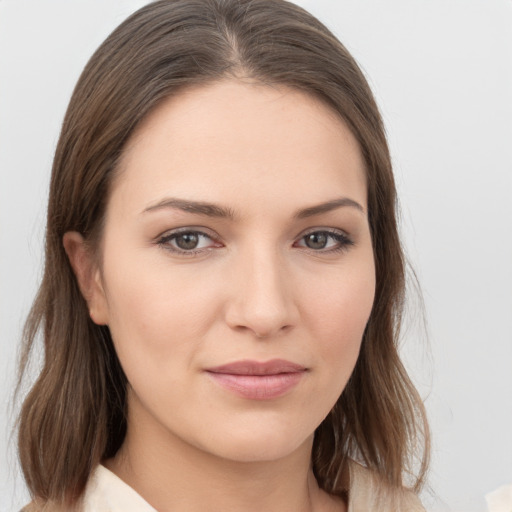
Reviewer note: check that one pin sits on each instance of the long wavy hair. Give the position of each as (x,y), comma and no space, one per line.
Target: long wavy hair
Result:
(74,415)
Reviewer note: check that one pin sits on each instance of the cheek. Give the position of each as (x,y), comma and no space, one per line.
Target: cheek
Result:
(337,314)
(156,317)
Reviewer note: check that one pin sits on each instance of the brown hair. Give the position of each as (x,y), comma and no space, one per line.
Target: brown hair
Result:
(74,415)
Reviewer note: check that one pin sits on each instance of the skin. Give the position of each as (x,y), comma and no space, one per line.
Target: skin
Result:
(255,287)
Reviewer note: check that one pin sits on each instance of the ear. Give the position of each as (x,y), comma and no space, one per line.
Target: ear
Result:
(88,276)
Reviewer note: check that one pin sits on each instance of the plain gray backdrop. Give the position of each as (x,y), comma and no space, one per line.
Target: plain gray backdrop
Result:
(442,74)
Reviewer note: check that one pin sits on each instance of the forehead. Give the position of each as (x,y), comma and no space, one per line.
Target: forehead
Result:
(219,137)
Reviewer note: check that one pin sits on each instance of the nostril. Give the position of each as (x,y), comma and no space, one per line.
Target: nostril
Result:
(271,332)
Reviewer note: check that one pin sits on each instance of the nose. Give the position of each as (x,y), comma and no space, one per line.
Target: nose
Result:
(261,296)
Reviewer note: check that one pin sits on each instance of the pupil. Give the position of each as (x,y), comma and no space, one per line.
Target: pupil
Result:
(187,241)
(316,240)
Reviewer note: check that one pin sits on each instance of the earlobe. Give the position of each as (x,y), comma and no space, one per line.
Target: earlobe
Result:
(87,275)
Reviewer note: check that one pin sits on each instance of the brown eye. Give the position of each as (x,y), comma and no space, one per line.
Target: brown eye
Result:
(325,241)
(316,240)
(187,241)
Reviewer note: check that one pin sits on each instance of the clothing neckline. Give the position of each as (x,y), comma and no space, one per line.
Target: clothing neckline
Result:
(107,492)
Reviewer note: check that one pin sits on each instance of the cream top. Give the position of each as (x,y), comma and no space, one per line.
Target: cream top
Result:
(106,492)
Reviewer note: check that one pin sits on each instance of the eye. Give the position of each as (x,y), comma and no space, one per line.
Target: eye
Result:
(324,241)
(187,241)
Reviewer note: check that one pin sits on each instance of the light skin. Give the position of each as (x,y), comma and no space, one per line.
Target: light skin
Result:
(236,230)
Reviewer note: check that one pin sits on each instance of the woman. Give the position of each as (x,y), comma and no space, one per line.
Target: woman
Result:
(223,279)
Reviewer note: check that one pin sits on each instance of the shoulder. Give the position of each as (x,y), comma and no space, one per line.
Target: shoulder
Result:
(107,492)
(104,491)
(368,492)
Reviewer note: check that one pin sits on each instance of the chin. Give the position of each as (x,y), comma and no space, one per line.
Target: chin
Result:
(258,445)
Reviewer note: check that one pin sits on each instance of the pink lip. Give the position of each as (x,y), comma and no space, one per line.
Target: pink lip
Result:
(258,380)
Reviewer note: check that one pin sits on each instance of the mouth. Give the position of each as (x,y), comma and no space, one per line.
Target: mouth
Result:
(256,380)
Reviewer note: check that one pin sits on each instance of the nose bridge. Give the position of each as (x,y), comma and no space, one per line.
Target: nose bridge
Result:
(262,301)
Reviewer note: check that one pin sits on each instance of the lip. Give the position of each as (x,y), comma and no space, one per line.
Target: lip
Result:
(257,380)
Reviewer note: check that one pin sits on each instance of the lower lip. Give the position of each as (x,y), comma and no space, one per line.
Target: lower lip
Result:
(258,387)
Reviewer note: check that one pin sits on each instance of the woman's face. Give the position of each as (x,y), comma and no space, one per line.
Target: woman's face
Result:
(237,272)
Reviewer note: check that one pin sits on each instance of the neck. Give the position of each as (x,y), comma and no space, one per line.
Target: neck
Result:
(172,475)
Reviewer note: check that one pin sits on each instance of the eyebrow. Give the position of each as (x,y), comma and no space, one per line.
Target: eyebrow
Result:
(213,210)
(327,207)
(197,207)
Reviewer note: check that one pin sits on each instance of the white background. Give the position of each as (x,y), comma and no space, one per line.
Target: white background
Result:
(442,74)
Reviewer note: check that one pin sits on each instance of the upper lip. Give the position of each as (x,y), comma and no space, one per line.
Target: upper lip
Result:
(248,367)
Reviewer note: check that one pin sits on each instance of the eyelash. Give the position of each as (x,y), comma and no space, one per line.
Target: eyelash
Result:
(343,241)
(165,240)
